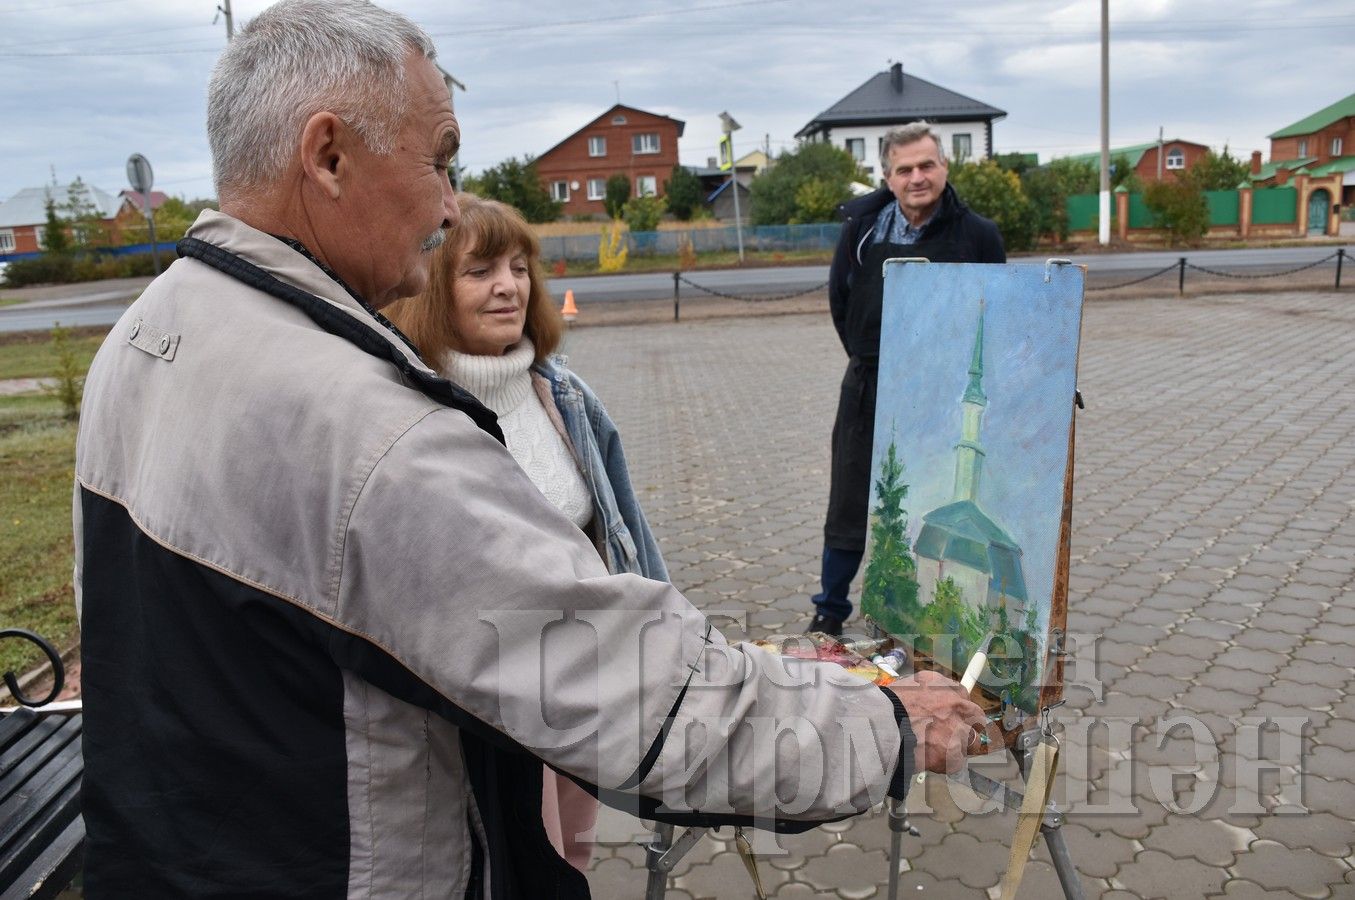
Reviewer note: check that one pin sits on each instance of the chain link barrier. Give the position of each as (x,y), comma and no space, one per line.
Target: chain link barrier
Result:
(1179,267)
(1110,287)
(754,299)
(1311,265)
(1182,264)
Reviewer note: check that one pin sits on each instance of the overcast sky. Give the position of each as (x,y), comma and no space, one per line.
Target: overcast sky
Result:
(88,82)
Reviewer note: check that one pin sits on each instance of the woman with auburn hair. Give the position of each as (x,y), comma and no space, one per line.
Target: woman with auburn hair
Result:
(487,323)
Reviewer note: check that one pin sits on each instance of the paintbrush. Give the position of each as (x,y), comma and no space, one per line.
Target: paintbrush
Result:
(980,657)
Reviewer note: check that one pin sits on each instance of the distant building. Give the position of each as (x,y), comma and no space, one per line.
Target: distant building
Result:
(1172,158)
(857,123)
(715,184)
(23,217)
(641,145)
(959,540)
(1319,146)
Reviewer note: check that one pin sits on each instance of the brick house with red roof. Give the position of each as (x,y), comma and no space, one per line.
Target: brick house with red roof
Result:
(641,145)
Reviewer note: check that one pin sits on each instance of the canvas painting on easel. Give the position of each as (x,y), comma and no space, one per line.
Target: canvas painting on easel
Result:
(978,368)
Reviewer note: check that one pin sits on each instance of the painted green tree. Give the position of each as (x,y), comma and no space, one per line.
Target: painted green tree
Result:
(891,574)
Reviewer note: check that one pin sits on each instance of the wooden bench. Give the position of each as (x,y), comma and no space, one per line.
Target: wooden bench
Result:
(42,836)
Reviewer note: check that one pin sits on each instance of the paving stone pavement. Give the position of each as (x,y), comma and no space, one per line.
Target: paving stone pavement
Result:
(1212,565)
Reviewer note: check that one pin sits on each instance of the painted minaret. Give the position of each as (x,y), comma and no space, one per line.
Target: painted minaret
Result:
(969,452)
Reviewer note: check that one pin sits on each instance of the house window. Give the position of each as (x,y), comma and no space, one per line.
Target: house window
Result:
(1335,146)
(644,143)
(1303,147)
(597,146)
(646,186)
(857,148)
(597,189)
(1176,159)
(559,191)
(618,120)
(961,147)
(6,241)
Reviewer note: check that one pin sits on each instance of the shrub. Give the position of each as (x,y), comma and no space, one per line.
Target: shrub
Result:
(1179,210)
(684,193)
(774,195)
(616,194)
(997,194)
(68,268)
(70,384)
(643,213)
(612,249)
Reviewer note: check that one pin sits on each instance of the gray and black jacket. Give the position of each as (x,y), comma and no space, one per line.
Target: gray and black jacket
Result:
(330,630)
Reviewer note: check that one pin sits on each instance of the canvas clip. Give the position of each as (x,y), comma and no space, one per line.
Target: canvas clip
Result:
(901,260)
(1050,263)
(1047,721)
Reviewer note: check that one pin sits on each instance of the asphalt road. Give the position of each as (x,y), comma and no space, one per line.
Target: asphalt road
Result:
(94,304)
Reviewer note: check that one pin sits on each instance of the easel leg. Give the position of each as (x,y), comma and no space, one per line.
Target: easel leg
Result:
(1063,862)
(1052,827)
(659,844)
(898,827)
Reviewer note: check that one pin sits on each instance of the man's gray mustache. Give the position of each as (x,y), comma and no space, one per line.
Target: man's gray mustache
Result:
(434,240)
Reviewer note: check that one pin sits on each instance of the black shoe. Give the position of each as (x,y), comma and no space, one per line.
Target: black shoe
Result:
(825,624)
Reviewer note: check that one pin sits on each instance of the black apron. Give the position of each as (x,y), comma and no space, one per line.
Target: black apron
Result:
(854,428)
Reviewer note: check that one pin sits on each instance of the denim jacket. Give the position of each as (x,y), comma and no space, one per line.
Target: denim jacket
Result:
(622,531)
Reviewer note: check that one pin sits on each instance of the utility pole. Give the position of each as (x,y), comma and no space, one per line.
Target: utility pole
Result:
(1159,153)
(224,9)
(1103,232)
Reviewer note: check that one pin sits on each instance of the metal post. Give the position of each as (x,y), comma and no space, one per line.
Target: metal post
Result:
(150,219)
(1340,257)
(1103,229)
(734,186)
(677,276)
(225,10)
(1181,279)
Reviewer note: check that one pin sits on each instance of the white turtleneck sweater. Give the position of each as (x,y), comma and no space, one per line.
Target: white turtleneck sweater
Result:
(504,384)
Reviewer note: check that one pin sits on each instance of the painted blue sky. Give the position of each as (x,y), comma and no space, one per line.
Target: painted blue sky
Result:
(1030,341)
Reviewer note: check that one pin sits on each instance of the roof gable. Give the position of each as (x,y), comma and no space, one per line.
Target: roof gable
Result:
(605,120)
(877,102)
(1133,153)
(1320,119)
(29,206)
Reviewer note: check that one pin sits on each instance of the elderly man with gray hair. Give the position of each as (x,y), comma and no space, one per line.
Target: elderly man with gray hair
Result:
(916,213)
(331,630)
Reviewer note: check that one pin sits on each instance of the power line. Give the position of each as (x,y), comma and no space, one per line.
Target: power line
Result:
(594,20)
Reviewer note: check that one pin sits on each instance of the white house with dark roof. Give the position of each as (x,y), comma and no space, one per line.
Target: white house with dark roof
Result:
(858,121)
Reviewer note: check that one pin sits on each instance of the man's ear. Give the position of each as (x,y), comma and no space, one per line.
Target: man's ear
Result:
(324,152)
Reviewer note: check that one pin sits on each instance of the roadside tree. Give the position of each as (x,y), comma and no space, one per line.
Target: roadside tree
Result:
(1179,210)
(616,195)
(517,183)
(997,194)
(775,194)
(683,191)
(1218,171)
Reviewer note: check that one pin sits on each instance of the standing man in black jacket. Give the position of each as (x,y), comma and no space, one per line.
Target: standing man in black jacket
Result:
(916,214)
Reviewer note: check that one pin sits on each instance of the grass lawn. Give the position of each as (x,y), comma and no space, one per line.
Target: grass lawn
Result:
(37,455)
(29,354)
(722,259)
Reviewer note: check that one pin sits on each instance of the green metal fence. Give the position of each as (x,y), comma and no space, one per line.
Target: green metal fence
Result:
(1275,206)
(1139,214)
(1083,212)
(1224,207)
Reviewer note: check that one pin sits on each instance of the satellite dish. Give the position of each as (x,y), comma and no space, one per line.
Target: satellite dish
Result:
(139,174)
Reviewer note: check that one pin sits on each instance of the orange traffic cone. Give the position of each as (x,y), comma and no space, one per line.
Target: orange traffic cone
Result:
(569,310)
